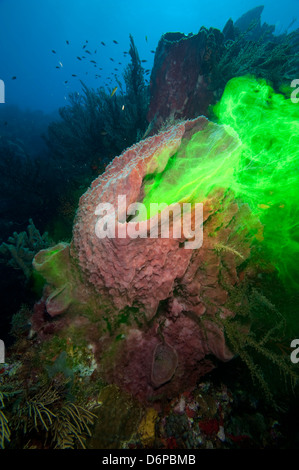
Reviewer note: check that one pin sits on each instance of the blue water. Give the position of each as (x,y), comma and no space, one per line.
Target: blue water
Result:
(31,29)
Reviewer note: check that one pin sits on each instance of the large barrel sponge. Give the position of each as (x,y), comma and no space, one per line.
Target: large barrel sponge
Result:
(180,294)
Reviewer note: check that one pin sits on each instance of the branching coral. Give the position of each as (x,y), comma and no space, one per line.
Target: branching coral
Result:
(253,334)
(72,425)
(4,427)
(275,61)
(45,410)
(21,248)
(97,125)
(137,97)
(35,412)
(252,48)
(77,139)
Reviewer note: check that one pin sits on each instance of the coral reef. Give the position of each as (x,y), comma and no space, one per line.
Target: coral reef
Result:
(113,353)
(157,314)
(174,292)
(47,402)
(190,71)
(274,60)
(65,425)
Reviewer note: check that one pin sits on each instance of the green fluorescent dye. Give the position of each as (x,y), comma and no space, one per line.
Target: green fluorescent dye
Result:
(255,154)
(200,164)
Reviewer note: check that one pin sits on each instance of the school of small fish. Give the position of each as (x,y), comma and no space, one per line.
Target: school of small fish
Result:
(113,76)
(109,79)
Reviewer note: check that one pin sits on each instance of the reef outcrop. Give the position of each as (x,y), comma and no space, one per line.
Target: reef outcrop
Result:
(179,80)
(190,71)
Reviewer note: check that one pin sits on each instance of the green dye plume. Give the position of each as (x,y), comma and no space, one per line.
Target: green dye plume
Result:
(255,154)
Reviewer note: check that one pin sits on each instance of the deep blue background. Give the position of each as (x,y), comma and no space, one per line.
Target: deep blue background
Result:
(30,29)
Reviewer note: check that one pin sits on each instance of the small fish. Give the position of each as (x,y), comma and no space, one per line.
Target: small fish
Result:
(113,91)
(61,64)
(66,81)
(115,42)
(84,46)
(13,78)
(93,61)
(57,66)
(100,68)
(87,52)
(111,59)
(153,52)
(116,70)
(5,123)
(119,63)
(54,52)
(123,107)
(103,132)
(79,58)
(95,51)
(146,38)
(83,57)
(73,75)
(86,41)
(67,41)
(143,61)
(103,43)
